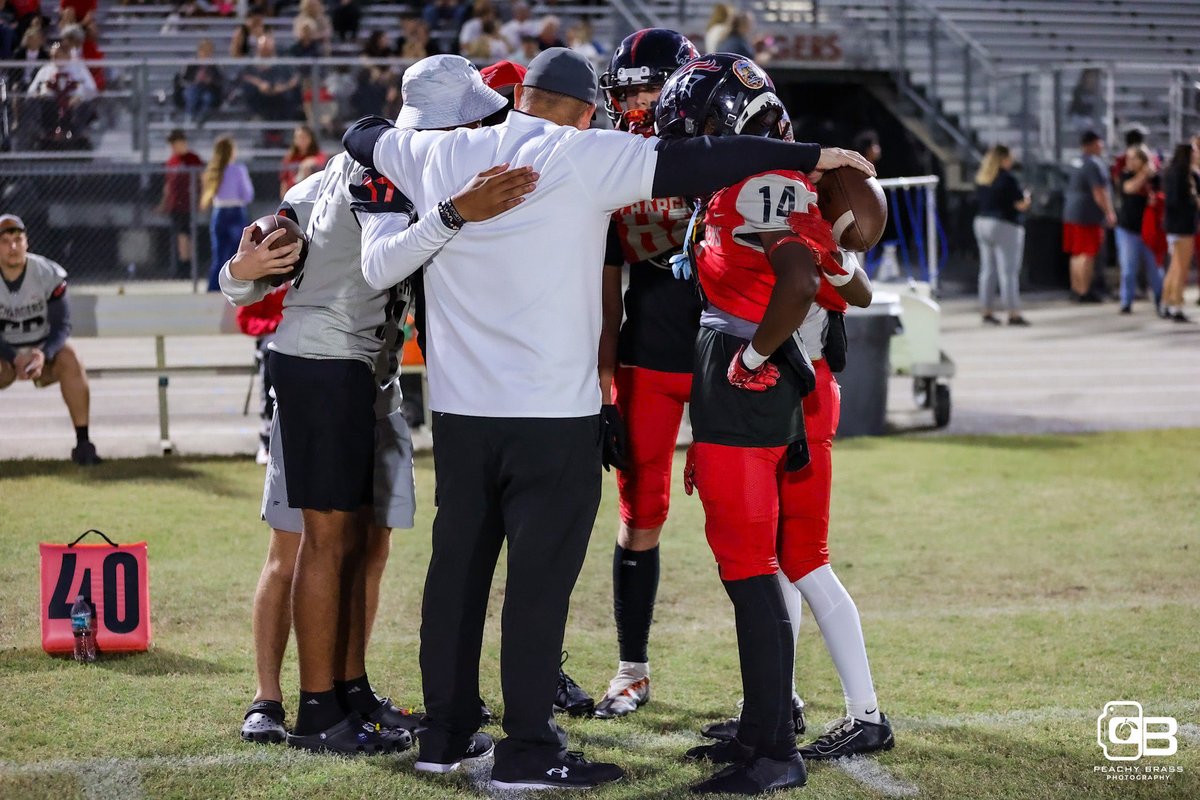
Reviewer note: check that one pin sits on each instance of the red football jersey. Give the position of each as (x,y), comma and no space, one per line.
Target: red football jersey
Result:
(733,268)
(652,228)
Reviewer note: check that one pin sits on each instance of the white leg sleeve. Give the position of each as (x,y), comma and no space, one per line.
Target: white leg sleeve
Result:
(791,599)
(837,617)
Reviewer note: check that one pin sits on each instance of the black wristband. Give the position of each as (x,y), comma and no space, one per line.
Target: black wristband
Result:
(450,216)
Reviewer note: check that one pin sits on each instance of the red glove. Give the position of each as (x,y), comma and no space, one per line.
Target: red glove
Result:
(752,380)
(817,235)
(689,474)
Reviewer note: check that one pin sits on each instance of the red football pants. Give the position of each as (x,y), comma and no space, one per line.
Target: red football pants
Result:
(760,518)
(651,404)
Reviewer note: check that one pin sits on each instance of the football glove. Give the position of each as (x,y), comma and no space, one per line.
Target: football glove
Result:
(377,195)
(752,380)
(689,473)
(817,236)
(613,439)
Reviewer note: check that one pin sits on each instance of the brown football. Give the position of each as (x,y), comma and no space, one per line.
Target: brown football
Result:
(266,225)
(854,205)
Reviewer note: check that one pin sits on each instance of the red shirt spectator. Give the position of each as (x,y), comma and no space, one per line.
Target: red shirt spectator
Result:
(181,174)
(303,158)
(81,7)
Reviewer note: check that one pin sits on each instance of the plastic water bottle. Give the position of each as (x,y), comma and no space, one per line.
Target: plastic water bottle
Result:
(84,627)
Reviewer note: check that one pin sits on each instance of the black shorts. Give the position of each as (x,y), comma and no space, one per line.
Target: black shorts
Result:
(326,410)
(723,414)
(181,222)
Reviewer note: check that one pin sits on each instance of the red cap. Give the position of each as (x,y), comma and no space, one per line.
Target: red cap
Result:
(502,74)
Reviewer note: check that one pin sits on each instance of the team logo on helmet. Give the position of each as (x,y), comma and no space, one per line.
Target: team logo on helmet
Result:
(709,64)
(749,74)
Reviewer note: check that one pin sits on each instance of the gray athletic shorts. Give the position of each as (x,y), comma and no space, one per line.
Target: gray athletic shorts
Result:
(394,492)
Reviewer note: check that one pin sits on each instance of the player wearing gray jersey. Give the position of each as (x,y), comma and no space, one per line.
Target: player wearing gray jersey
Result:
(35,321)
(334,326)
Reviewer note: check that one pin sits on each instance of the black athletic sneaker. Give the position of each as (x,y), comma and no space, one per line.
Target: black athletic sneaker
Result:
(354,737)
(569,697)
(480,745)
(760,776)
(84,454)
(850,736)
(263,723)
(541,770)
(726,730)
(389,715)
(723,752)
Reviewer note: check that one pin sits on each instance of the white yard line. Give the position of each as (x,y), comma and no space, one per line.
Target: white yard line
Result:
(876,777)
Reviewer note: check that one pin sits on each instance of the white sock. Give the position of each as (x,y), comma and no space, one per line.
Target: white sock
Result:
(791,599)
(837,617)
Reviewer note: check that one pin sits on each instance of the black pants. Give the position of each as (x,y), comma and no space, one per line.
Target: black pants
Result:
(536,482)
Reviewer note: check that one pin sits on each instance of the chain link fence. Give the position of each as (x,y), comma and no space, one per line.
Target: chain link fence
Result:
(108,224)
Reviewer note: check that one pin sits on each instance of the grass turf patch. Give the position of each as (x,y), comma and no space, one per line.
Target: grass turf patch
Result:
(1009,587)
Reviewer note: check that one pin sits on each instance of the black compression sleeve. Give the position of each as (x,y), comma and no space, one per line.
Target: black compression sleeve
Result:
(360,138)
(701,166)
(59,314)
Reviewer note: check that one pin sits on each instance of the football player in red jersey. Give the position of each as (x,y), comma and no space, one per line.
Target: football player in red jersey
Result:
(645,363)
(771,336)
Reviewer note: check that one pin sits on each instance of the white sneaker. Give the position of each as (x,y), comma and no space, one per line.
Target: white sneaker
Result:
(628,691)
(262,456)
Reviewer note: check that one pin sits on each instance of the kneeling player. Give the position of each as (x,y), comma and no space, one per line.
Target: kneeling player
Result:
(760,267)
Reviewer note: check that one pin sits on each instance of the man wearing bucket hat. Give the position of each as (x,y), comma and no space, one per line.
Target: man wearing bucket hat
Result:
(334,329)
(514,308)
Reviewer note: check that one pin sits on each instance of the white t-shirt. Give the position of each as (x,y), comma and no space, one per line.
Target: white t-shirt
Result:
(513,304)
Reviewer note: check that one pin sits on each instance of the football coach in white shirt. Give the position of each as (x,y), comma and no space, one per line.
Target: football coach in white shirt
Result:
(513,310)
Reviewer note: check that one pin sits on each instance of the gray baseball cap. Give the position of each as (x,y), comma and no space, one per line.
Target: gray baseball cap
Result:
(445,91)
(11,222)
(558,69)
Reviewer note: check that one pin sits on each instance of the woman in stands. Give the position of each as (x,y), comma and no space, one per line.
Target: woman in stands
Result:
(225,188)
(303,158)
(999,233)
(1180,187)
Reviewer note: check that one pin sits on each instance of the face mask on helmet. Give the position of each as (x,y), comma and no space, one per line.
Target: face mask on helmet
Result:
(760,117)
(642,62)
(634,120)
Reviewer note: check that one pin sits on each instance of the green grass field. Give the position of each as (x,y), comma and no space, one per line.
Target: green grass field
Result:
(1009,588)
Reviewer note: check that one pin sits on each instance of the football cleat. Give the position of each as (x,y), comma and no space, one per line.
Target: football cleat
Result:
(850,736)
(760,776)
(727,729)
(354,737)
(569,697)
(725,752)
(627,692)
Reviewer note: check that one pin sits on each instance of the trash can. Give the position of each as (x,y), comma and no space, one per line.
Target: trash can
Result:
(864,381)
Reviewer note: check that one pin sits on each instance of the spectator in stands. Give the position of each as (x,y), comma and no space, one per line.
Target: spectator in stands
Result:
(312,12)
(1181,187)
(521,24)
(179,192)
(1000,236)
(1087,209)
(302,159)
(246,35)
(8,31)
(1137,183)
(239,45)
(346,19)
(581,40)
(866,144)
(33,52)
(529,50)
(739,41)
(489,46)
(472,29)
(378,46)
(376,84)
(63,98)
(91,52)
(1084,108)
(80,8)
(550,33)
(307,45)
(201,84)
(444,19)
(720,25)
(417,42)
(225,187)
(28,14)
(272,91)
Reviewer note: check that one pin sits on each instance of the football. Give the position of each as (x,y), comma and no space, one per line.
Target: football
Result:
(263,226)
(854,205)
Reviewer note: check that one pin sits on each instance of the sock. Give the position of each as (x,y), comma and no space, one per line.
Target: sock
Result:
(764,634)
(793,600)
(837,617)
(318,711)
(356,695)
(81,434)
(635,585)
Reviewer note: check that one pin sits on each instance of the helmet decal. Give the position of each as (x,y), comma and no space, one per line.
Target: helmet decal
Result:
(751,76)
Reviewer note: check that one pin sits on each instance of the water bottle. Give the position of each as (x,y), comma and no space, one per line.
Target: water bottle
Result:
(84,628)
